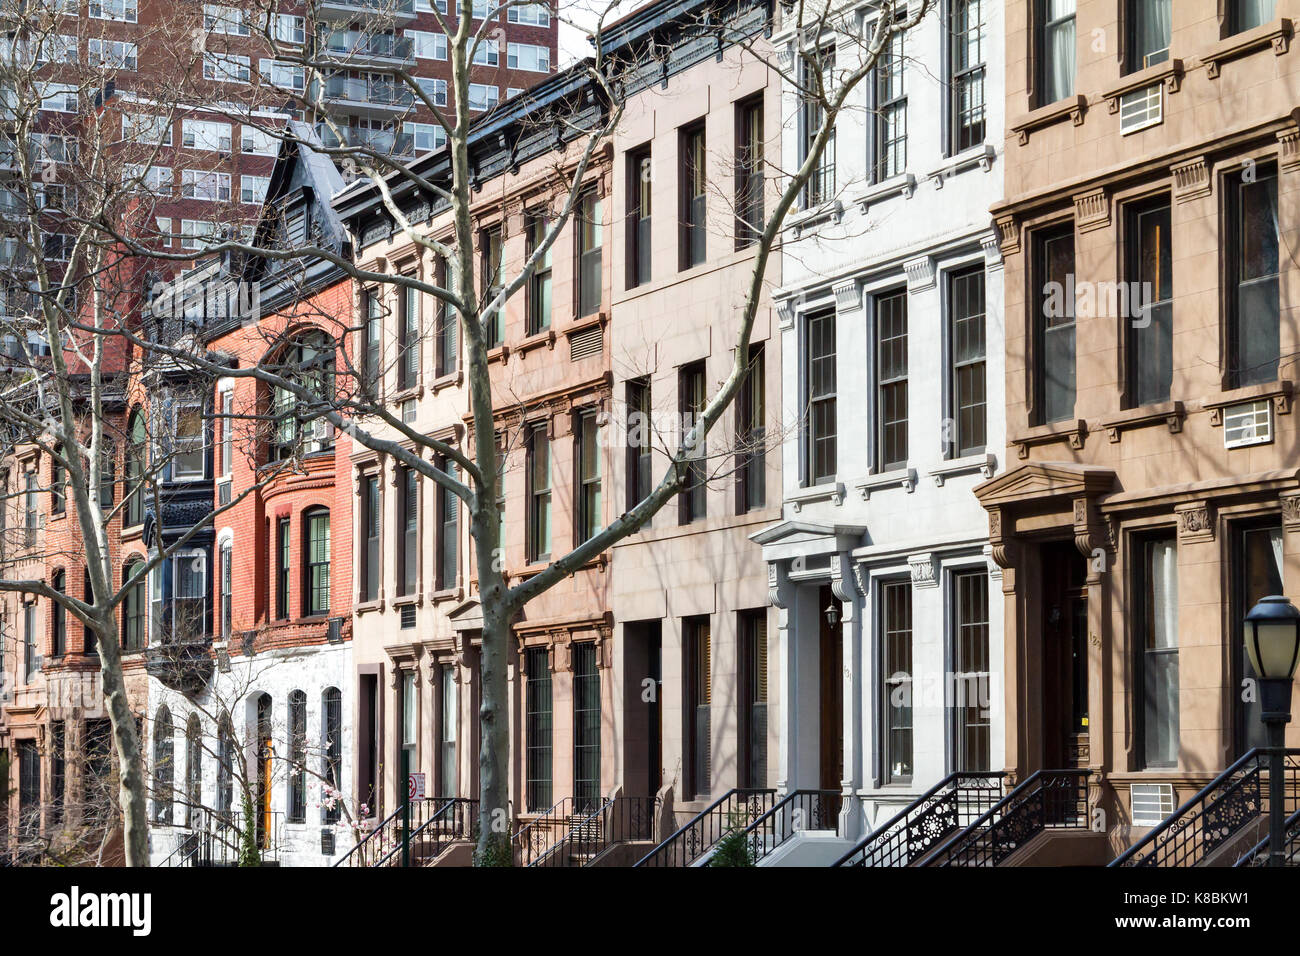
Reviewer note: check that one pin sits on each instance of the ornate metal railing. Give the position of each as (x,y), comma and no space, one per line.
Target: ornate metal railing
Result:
(539,835)
(1215,815)
(219,839)
(797,811)
(956,801)
(1258,854)
(1046,800)
(737,807)
(456,819)
(617,820)
(387,833)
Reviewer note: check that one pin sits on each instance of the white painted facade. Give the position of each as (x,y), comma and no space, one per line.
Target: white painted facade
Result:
(917,522)
(236,685)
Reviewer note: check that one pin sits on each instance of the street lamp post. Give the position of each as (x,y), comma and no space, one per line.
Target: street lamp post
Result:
(1273,645)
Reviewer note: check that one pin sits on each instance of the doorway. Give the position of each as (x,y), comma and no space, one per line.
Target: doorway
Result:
(831,692)
(1065,657)
(265,753)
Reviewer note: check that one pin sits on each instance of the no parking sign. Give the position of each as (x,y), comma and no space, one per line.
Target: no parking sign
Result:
(415,786)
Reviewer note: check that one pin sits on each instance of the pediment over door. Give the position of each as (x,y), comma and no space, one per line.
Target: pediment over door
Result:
(1042,480)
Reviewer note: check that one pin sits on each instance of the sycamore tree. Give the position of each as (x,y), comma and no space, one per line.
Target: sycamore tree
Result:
(833,54)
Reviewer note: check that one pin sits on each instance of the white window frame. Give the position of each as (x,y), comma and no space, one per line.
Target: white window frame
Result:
(283,76)
(231,21)
(529,14)
(256,137)
(541,55)
(191,138)
(433,131)
(487,53)
(291,29)
(258,195)
(428,45)
(134,125)
(64,93)
(129,59)
(193,238)
(217,67)
(491,102)
(439,89)
(205,184)
(124,11)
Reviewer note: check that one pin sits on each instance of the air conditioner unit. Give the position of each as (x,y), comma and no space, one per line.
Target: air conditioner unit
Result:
(1249,423)
(1141,109)
(1151,803)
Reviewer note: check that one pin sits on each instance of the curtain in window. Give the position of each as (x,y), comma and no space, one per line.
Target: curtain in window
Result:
(1152,29)
(1058,73)
(1161,671)
(1254,13)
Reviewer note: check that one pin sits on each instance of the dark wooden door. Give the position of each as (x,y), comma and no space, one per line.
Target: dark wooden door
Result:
(1065,657)
(831,657)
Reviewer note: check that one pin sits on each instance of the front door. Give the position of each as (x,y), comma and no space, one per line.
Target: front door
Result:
(831,657)
(1065,657)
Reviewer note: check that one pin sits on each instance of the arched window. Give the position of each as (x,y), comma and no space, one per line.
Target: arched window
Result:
(332,750)
(162,767)
(308,360)
(59,614)
(297,756)
(136,453)
(316,562)
(225,764)
(193,770)
(134,608)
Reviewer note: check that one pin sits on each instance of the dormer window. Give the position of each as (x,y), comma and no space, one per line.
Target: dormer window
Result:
(297,428)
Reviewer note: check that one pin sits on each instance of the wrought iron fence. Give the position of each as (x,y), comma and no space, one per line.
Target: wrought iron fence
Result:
(736,807)
(797,811)
(456,819)
(617,820)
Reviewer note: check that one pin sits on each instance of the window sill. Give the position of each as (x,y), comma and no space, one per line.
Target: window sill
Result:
(365,607)
(986,463)
(1075,431)
(896,478)
(1276,34)
(447,594)
(1279,393)
(446,381)
(546,338)
(499,353)
(409,600)
(831,211)
(981,156)
(405,394)
(1170,73)
(832,491)
(904,185)
(1145,416)
(1072,106)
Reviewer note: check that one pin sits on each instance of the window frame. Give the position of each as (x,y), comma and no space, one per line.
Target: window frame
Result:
(891,719)
(962,444)
(316,567)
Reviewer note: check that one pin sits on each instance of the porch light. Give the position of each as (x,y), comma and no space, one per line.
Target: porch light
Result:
(832,614)
(1272,635)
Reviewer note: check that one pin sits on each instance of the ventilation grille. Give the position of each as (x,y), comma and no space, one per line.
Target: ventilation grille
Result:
(1140,109)
(586,343)
(1250,423)
(408,616)
(1151,802)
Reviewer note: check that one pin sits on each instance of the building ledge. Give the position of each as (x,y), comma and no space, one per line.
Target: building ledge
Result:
(1170,414)
(981,156)
(1073,107)
(831,211)
(1276,34)
(986,464)
(897,478)
(904,185)
(446,381)
(832,491)
(1075,431)
(1170,73)
(546,338)
(1279,393)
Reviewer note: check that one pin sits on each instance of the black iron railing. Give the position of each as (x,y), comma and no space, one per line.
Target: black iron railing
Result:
(797,811)
(956,801)
(1046,800)
(456,819)
(222,839)
(1258,854)
(386,834)
(1207,821)
(737,807)
(617,820)
(533,839)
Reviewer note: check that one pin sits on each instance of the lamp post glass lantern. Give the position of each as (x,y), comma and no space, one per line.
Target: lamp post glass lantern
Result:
(1272,635)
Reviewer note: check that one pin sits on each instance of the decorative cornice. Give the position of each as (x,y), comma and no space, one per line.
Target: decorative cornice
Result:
(1092,210)
(1290,511)
(925,570)
(921,274)
(1008,235)
(848,296)
(1288,141)
(1192,179)
(1195,522)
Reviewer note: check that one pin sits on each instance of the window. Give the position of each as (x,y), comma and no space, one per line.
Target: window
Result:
(639,441)
(529,14)
(528,56)
(539,493)
(815,79)
(408,344)
(206,134)
(202,184)
(1150,311)
(371,517)
(1156,628)
(586,728)
(590,239)
(891,381)
(749,171)
(426,137)
(486,53)
(187,442)
(316,558)
(58,768)
(252,189)
(309,361)
(52,148)
(972,703)
(225,765)
(31,659)
(198,234)
(1254,301)
(258,142)
(290,29)
(193,771)
(490,266)
(1150,25)
(447,731)
(134,609)
(1056,50)
(436,91)
(283,76)
(147,129)
(190,595)
(820,451)
(282,567)
(59,615)
(692,398)
(408,558)
(428,46)
(538,729)
(889,137)
(371,372)
(154,180)
(297,757)
(966,72)
(446,346)
(332,753)
(226,67)
(124,10)
(448,530)
(697,644)
(31,505)
(59,97)
(967,376)
(640,189)
(1054,369)
(410,718)
(481,97)
(1256,573)
(895,611)
(116,54)
(751,459)
(752,726)
(692,185)
(589,475)
(225,570)
(539,284)
(229,20)
(58,482)
(162,767)
(136,450)
(1246,15)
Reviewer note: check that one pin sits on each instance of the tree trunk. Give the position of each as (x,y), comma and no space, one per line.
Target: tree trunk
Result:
(494,776)
(126,742)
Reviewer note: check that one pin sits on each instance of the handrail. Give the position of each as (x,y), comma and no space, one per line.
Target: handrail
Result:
(1235,783)
(523,838)
(451,803)
(1034,786)
(556,847)
(373,834)
(921,802)
(617,820)
(756,838)
(1257,855)
(659,855)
